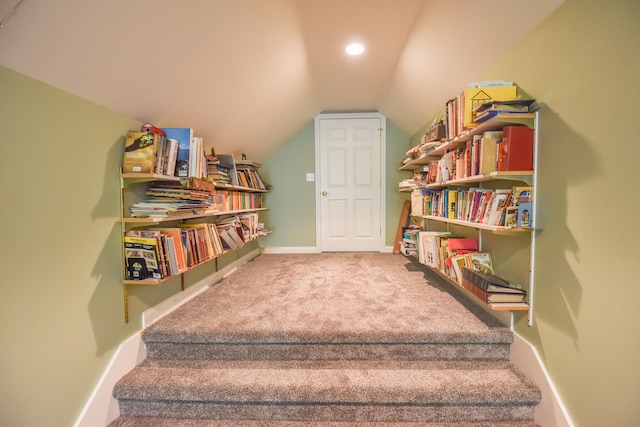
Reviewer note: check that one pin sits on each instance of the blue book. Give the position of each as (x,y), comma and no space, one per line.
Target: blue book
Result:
(184,137)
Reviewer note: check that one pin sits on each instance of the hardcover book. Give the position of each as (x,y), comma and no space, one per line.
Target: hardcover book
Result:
(479,261)
(490,282)
(491,297)
(488,150)
(516,149)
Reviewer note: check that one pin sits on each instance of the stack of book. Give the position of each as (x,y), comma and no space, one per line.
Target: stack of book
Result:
(249,177)
(218,173)
(489,109)
(168,199)
(491,289)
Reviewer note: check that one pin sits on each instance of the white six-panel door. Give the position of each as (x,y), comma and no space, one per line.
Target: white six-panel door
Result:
(350,173)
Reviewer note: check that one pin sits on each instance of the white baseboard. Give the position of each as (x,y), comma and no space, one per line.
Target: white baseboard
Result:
(550,412)
(291,250)
(102,408)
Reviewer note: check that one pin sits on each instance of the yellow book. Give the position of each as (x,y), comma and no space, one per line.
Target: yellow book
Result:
(477,96)
(488,159)
(139,152)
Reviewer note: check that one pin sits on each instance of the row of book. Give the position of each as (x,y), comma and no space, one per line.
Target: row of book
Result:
(168,198)
(510,208)
(224,200)
(459,110)
(459,259)
(249,177)
(225,170)
(509,149)
(492,108)
(191,196)
(157,253)
(164,151)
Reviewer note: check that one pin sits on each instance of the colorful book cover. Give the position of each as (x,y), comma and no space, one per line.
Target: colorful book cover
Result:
(184,137)
(475,97)
(139,152)
(525,215)
(479,261)
(451,203)
(141,256)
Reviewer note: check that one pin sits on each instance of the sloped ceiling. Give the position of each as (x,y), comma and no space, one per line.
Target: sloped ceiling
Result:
(246,75)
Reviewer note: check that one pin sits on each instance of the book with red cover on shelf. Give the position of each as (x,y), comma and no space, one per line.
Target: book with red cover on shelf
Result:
(515,151)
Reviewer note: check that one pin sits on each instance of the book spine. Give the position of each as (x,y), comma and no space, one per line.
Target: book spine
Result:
(471,287)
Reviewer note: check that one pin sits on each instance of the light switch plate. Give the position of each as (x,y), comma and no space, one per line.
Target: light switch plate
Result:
(311,177)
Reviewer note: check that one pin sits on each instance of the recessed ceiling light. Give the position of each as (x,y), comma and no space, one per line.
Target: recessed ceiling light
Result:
(355,49)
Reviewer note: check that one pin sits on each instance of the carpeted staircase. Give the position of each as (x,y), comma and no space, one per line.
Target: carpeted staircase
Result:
(327,340)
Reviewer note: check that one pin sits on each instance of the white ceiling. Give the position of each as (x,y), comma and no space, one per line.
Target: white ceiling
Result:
(246,75)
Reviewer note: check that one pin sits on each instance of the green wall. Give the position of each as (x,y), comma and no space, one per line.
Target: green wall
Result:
(291,203)
(62,305)
(582,64)
(61,302)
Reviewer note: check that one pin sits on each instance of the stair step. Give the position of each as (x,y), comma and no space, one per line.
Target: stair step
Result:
(127,421)
(425,391)
(319,351)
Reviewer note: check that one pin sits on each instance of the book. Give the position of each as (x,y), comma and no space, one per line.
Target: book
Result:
(177,247)
(525,215)
(490,109)
(500,201)
(512,105)
(161,247)
(491,282)
(428,247)
(141,258)
(462,245)
(488,149)
(139,152)
(457,248)
(479,261)
(492,297)
(511,217)
(516,149)
(451,202)
(477,96)
(184,137)
(485,288)
(457,262)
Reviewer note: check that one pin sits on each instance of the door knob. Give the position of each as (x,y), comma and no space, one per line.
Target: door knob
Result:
(324,193)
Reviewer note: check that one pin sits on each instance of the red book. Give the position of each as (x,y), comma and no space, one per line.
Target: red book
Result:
(516,149)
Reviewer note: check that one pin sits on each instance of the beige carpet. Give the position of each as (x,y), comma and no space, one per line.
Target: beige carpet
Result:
(330,298)
(329,339)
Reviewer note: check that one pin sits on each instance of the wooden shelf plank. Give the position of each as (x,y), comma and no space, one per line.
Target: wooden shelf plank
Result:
(477,225)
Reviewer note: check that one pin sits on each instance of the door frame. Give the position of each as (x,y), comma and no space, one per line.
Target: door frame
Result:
(383,174)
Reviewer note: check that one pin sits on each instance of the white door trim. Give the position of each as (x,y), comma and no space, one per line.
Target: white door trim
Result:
(383,175)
